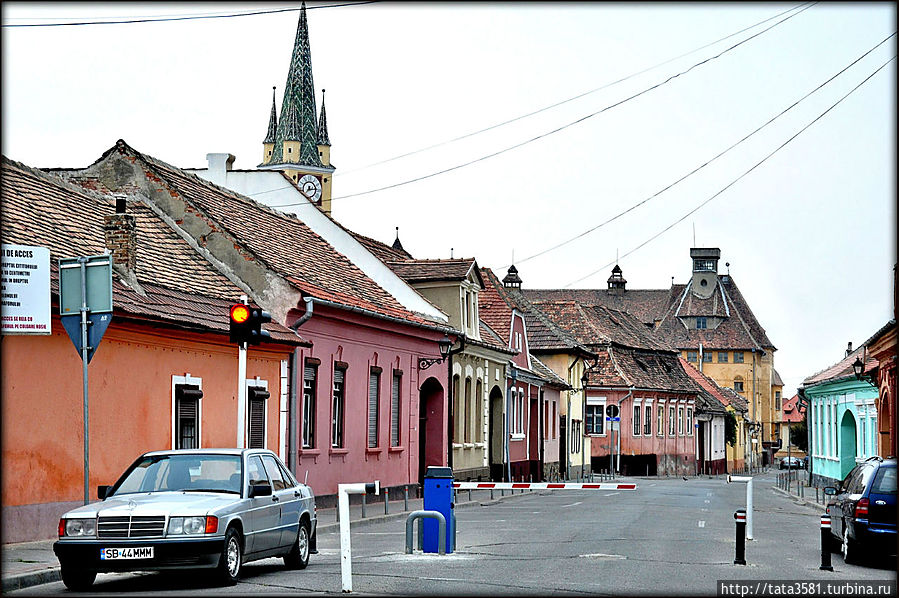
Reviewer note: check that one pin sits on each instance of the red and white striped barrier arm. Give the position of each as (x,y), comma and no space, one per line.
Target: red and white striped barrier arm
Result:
(541,486)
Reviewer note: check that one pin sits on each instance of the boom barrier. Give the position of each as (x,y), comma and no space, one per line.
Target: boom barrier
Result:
(541,486)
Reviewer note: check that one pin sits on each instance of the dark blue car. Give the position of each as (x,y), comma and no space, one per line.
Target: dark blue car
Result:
(863,510)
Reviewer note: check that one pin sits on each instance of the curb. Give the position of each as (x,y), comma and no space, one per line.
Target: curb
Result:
(28,580)
(802,501)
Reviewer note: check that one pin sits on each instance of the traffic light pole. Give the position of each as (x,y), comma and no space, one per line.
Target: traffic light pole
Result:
(241,392)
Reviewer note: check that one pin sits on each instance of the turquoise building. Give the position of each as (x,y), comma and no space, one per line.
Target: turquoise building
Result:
(842,423)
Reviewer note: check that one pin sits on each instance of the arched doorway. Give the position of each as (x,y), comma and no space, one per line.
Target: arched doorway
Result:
(431,427)
(848,443)
(496,425)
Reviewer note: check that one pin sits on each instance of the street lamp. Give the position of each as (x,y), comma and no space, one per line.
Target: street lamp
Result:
(444,345)
(858,366)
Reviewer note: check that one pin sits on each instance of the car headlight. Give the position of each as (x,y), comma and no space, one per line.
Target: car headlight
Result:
(78,527)
(192,525)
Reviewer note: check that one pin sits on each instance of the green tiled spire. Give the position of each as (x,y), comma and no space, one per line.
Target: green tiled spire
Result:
(298,111)
(323,125)
(272,122)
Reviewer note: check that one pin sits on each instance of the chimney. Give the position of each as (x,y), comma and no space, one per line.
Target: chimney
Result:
(849,349)
(219,165)
(120,234)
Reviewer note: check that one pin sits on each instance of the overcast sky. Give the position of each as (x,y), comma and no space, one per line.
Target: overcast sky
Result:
(808,228)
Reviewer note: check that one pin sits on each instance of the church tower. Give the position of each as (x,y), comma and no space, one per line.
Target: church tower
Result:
(297,143)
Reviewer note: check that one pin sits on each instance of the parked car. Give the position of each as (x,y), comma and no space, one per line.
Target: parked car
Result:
(183,509)
(791,463)
(863,510)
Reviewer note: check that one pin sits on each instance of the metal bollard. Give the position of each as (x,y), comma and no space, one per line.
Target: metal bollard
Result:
(491,494)
(405,498)
(740,557)
(825,543)
(469,495)
(363,506)
(386,508)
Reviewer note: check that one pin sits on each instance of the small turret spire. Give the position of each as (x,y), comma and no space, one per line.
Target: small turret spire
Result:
(323,124)
(396,244)
(272,121)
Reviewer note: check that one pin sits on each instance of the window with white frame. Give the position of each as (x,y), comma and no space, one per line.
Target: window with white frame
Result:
(660,418)
(672,420)
(522,413)
(636,420)
(457,411)
(647,419)
(257,394)
(479,412)
(689,421)
(574,442)
(466,418)
(187,395)
(595,416)
(680,420)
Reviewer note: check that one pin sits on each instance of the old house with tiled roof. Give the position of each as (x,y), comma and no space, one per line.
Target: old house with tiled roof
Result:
(364,388)
(534,390)
(793,413)
(710,323)
(164,375)
(711,415)
(842,422)
(882,347)
(642,378)
(478,366)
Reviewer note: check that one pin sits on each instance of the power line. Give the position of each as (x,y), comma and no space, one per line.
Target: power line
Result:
(185,18)
(707,162)
(732,183)
(571,99)
(538,137)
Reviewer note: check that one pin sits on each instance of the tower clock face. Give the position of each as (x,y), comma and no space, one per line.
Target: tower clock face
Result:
(311,187)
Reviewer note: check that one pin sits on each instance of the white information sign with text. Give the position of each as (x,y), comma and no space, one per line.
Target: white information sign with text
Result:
(25,289)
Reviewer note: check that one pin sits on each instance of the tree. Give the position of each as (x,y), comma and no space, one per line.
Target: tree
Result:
(730,428)
(799,433)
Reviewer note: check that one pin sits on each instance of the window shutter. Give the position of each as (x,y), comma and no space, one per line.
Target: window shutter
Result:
(395,411)
(257,397)
(372,410)
(187,408)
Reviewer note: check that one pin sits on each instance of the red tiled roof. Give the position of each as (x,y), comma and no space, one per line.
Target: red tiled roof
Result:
(492,306)
(180,287)
(384,252)
(793,412)
(646,370)
(279,241)
(842,369)
(715,401)
(435,270)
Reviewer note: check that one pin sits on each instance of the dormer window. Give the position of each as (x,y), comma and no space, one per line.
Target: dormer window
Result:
(703,265)
(701,323)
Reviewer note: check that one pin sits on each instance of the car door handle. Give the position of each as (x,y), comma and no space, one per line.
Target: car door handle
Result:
(296,494)
(275,498)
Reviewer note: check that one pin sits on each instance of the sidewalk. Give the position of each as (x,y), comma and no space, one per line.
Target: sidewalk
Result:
(799,492)
(28,564)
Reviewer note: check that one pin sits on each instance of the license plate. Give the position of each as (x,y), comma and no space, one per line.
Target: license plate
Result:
(113,554)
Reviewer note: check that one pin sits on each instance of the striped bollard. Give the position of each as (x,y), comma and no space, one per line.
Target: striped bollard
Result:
(740,557)
(825,543)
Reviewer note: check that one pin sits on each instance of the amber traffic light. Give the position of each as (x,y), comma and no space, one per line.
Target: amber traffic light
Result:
(246,324)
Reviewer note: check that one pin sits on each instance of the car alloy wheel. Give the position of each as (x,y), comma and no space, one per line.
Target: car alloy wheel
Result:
(298,557)
(230,561)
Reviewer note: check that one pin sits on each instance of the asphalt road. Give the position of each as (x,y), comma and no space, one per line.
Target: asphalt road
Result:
(669,537)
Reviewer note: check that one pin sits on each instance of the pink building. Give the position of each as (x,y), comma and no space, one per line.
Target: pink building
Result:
(367,400)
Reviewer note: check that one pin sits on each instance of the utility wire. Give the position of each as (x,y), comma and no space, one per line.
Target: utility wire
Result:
(184,18)
(543,135)
(571,99)
(706,163)
(732,183)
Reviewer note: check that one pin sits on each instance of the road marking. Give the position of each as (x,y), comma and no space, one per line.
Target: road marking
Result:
(611,494)
(707,502)
(704,510)
(652,484)
(702,524)
(574,504)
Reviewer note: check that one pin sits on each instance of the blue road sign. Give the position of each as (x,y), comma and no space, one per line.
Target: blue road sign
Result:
(613,419)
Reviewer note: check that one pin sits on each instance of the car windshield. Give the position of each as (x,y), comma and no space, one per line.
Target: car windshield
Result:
(187,473)
(885,481)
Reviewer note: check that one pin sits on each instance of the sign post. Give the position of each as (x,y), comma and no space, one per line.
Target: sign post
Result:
(25,289)
(85,306)
(612,417)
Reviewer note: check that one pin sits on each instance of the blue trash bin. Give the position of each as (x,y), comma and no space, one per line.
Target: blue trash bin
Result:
(438,496)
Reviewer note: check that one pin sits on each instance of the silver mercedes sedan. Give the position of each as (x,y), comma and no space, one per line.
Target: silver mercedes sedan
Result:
(184,509)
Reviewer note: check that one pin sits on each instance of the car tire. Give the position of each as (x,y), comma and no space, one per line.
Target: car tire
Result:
(298,557)
(77,580)
(849,548)
(228,570)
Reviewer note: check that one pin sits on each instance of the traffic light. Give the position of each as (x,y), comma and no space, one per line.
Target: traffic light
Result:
(240,318)
(246,324)
(255,333)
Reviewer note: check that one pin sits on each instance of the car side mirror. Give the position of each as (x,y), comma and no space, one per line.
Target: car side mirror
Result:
(103,491)
(830,491)
(260,490)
